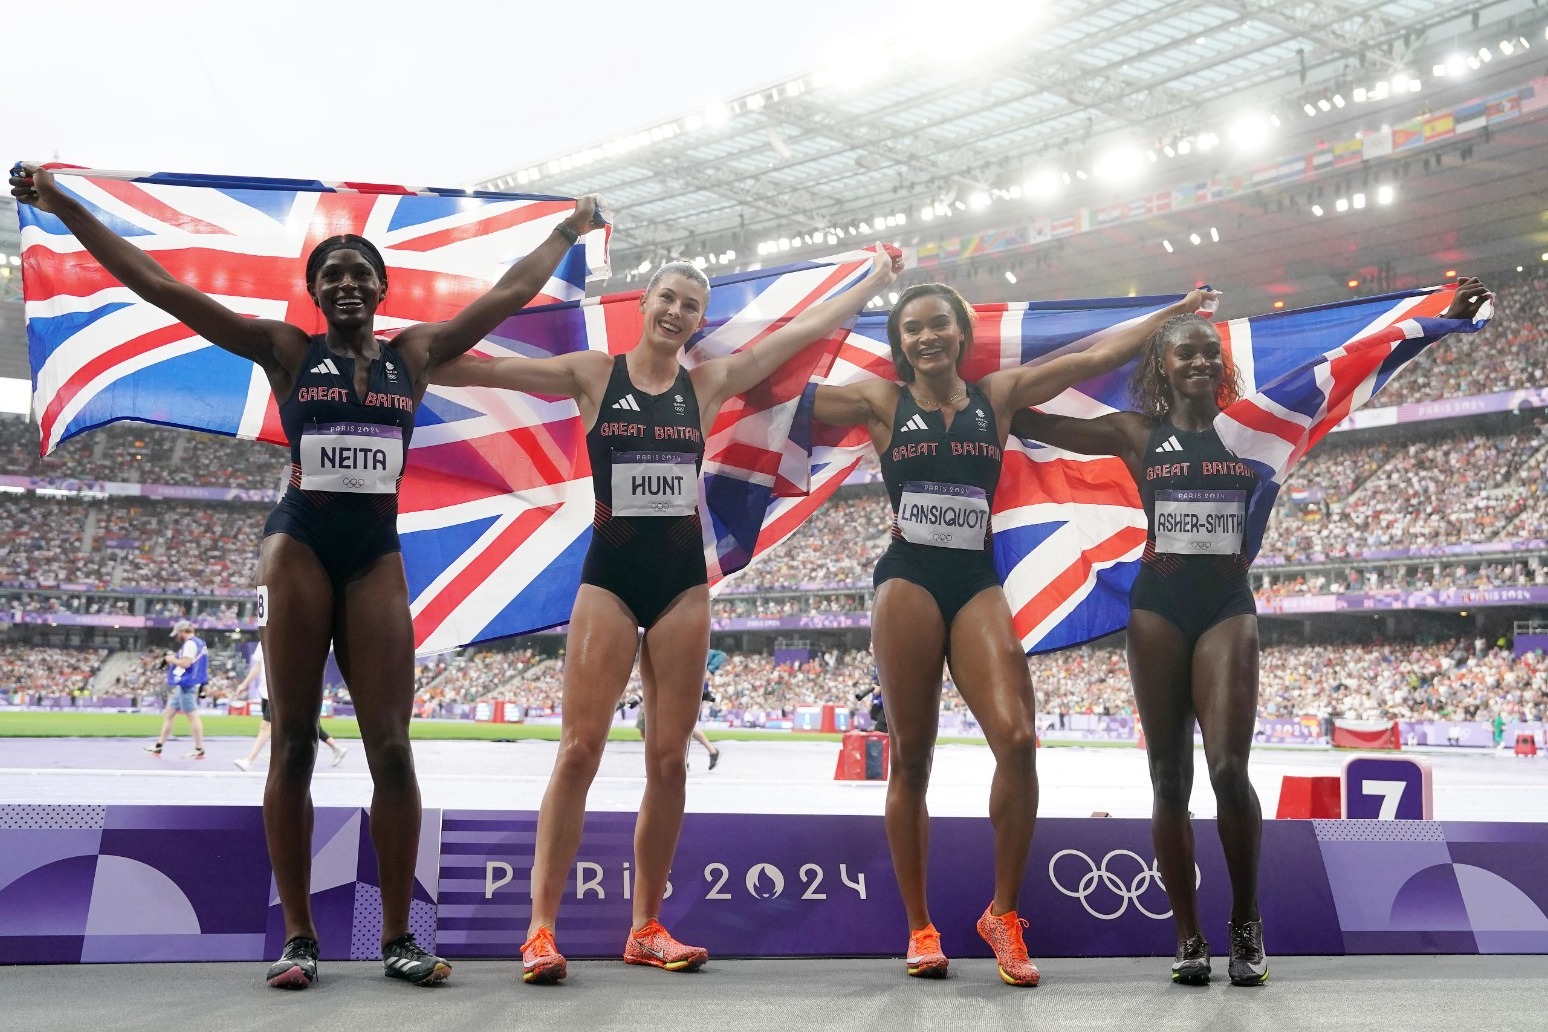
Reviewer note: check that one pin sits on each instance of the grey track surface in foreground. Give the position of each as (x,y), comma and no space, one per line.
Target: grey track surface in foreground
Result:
(1323,993)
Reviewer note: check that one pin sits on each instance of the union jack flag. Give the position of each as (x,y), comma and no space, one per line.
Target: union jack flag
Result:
(99,354)
(1069,529)
(497,517)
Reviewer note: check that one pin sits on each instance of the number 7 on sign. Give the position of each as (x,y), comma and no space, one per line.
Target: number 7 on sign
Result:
(1391,793)
(1387,788)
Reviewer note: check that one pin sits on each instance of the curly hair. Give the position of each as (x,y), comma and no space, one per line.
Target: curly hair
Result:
(1148,386)
(344,242)
(960,308)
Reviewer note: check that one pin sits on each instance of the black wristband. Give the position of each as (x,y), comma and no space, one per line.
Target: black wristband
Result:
(564,230)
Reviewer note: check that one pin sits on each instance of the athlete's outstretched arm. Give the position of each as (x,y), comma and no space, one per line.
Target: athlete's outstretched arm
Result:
(1019,388)
(510,294)
(574,375)
(869,403)
(722,378)
(260,340)
(1116,433)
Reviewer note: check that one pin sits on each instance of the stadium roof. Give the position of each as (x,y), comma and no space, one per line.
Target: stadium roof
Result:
(963,109)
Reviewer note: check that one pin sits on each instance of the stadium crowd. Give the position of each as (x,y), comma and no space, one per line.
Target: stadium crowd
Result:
(1398,680)
(137,453)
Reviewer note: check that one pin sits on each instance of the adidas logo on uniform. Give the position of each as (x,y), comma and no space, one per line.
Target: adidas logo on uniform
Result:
(325,366)
(915,422)
(627,403)
(1170,444)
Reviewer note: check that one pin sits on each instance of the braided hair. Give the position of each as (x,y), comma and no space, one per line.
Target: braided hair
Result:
(1148,386)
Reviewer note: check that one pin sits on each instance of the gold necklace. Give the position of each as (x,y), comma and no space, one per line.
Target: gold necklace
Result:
(957,395)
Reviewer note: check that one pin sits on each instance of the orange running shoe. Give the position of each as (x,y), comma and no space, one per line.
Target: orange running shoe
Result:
(654,945)
(1003,934)
(541,961)
(925,959)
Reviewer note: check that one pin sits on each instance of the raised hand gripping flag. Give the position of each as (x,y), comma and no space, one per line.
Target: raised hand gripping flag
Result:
(1069,529)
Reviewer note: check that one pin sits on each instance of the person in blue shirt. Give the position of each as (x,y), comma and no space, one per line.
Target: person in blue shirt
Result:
(188,671)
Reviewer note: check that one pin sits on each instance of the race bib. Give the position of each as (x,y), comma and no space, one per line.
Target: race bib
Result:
(351,458)
(944,515)
(655,484)
(1200,522)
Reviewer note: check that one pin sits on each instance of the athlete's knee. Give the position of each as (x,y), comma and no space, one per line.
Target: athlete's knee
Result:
(579,754)
(1228,776)
(1016,745)
(669,766)
(1171,784)
(293,756)
(392,762)
(911,768)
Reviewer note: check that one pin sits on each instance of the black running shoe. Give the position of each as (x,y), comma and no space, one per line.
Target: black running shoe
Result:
(714,758)
(1192,964)
(402,958)
(1248,964)
(297,966)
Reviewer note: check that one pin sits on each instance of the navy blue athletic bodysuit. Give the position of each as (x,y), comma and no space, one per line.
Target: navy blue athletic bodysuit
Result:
(1195,492)
(646,449)
(941,481)
(346,459)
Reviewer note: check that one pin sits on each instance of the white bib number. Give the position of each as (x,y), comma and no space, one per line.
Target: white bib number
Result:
(351,458)
(1200,522)
(654,484)
(944,515)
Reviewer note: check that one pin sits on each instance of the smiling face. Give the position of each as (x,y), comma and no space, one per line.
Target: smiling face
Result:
(673,309)
(1194,364)
(930,336)
(347,288)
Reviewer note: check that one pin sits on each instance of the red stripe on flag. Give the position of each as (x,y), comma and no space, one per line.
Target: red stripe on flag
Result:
(787,521)
(1250,415)
(623,320)
(1072,579)
(478,571)
(485,226)
(136,197)
(125,352)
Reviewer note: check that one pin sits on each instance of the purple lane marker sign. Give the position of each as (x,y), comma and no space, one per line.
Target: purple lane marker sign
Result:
(1387,788)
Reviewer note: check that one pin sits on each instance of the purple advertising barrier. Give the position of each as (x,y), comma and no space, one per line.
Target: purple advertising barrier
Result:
(790,885)
(103,884)
(1525,643)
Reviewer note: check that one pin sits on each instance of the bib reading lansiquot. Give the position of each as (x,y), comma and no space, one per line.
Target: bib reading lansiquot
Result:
(944,515)
(654,484)
(351,458)
(1200,522)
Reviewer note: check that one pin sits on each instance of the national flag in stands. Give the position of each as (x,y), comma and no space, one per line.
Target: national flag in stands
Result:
(1069,529)
(100,354)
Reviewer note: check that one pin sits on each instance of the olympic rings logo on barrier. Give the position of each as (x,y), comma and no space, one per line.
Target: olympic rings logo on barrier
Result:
(1125,892)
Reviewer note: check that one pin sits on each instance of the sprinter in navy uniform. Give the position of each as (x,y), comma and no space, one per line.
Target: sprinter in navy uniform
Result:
(1193,627)
(938,598)
(646,419)
(329,571)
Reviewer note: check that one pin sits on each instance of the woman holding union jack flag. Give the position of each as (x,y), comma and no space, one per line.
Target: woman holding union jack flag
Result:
(1193,625)
(330,572)
(647,418)
(938,598)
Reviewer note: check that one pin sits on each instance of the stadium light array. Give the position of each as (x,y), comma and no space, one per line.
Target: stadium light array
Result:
(1043,183)
(1168,245)
(1359,201)
(1342,204)
(1279,305)
(1120,165)
(1194,238)
(1214,234)
(1385,194)
(1317,210)
(1010,276)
